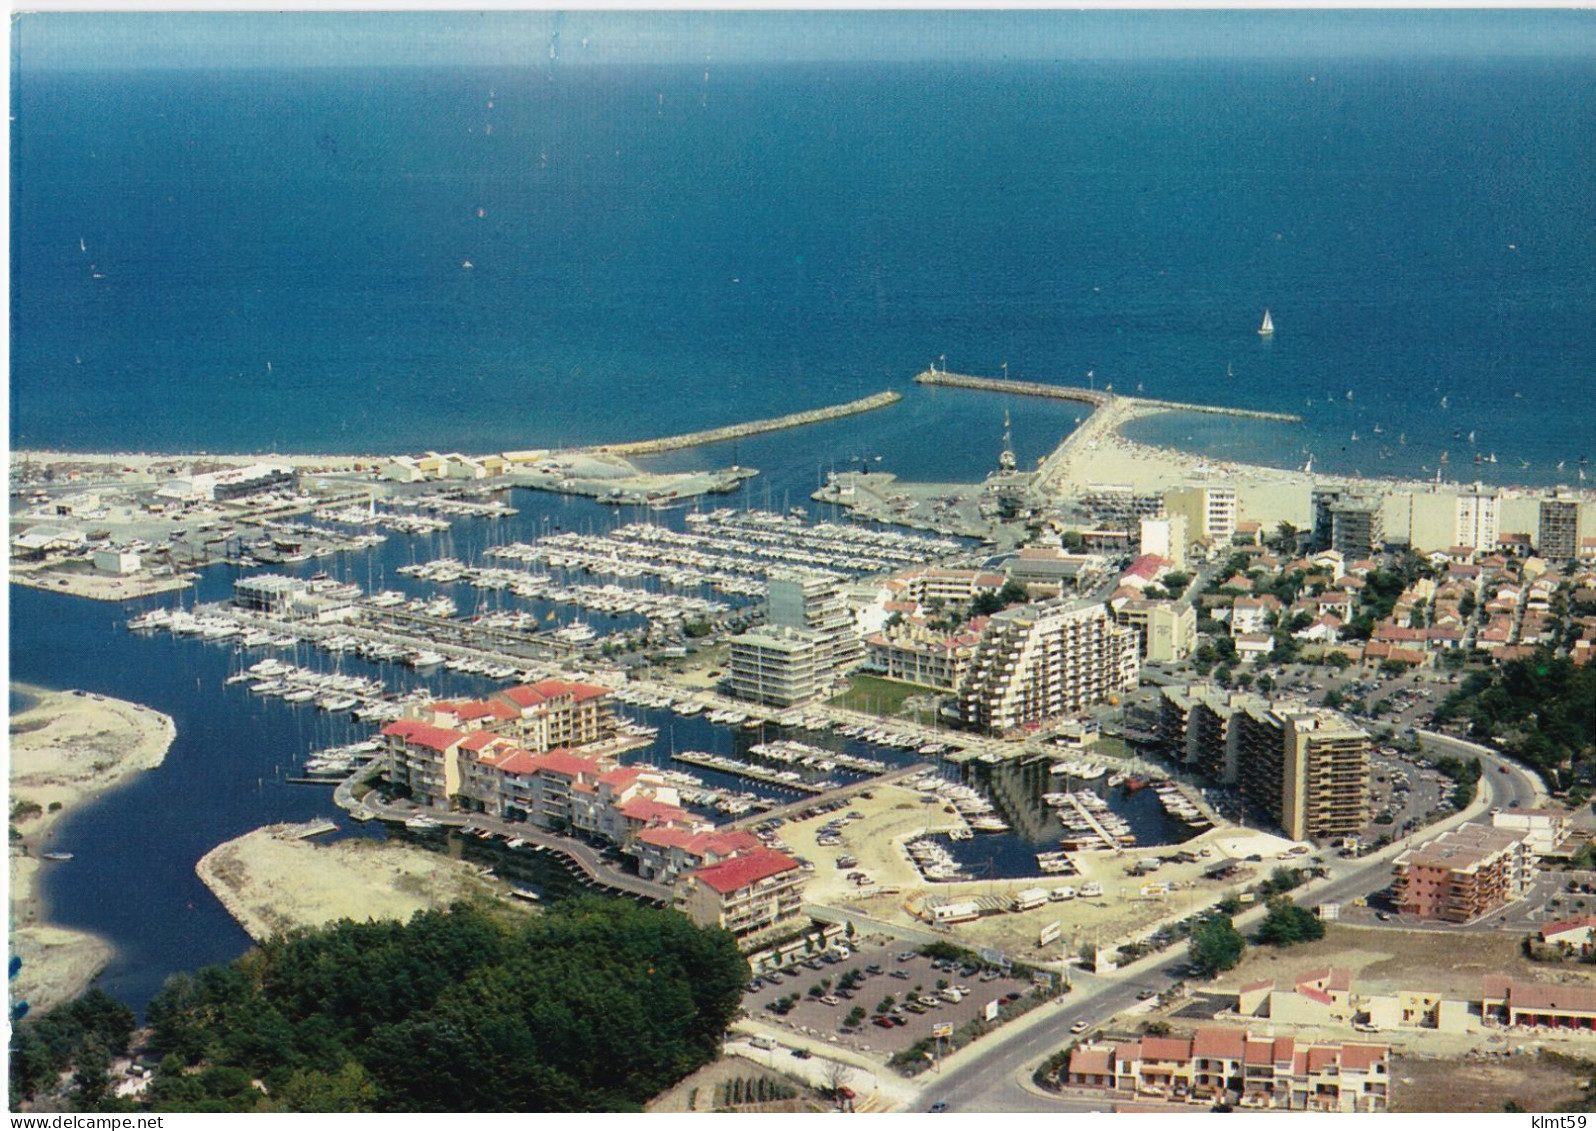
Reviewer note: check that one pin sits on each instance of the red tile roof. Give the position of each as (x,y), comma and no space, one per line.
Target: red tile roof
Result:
(516,761)
(1166,1048)
(1092,1061)
(648,811)
(581,692)
(562,761)
(621,776)
(1260,1050)
(741,871)
(1219,1041)
(1321,1057)
(418,733)
(1254,987)
(480,740)
(1540,996)
(1363,1057)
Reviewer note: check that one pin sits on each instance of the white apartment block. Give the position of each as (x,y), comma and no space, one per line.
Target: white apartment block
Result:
(1042,660)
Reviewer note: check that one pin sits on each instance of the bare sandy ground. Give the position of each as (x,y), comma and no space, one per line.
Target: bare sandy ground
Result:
(895,815)
(65,751)
(272,882)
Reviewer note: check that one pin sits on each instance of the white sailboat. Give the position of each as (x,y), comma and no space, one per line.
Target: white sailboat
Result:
(1268,326)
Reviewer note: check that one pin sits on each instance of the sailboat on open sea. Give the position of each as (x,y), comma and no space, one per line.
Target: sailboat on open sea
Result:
(1268,326)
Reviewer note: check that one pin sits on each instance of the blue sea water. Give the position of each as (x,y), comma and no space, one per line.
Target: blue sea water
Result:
(656,253)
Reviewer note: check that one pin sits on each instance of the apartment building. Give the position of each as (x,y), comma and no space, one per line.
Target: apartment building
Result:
(1357,527)
(777,666)
(746,895)
(1038,661)
(1222,1063)
(816,602)
(1166,538)
(1477,518)
(1327,770)
(1209,510)
(1307,767)
(1166,630)
(1463,874)
(914,652)
(1558,540)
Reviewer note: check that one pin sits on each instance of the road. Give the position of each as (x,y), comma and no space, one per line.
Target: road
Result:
(988,1076)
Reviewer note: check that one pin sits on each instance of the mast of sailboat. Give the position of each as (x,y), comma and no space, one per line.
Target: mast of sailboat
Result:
(1268,326)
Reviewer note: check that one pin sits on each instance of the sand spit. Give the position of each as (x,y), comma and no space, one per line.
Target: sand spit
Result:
(67,749)
(272,880)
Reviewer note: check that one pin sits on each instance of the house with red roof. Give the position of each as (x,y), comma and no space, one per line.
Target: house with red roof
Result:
(1539,1005)
(1233,1065)
(750,894)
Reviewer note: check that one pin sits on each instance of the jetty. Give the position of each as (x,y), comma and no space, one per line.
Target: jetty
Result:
(751,428)
(1096,397)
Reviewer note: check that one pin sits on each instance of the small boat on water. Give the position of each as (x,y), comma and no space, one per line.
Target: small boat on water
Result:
(58,855)
(1133,784)
(1268,326)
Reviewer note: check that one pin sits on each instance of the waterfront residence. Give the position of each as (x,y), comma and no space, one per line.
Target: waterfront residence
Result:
(912,651)
(1308,767)
(776,666)
(749,895)
(1038,661)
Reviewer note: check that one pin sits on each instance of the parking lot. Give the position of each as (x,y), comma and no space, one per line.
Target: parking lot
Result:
(921,991)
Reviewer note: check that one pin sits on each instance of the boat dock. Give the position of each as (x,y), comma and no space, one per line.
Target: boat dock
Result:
(784,779)
(751,428)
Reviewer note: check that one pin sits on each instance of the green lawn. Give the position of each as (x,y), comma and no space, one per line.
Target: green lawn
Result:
(877,696)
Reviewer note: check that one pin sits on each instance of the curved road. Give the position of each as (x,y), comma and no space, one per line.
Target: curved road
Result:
(994,1074)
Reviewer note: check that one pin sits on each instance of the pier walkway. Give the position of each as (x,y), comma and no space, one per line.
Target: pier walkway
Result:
(751,428)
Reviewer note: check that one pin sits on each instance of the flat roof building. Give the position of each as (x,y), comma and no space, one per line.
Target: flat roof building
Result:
(777,666)
(1463,874)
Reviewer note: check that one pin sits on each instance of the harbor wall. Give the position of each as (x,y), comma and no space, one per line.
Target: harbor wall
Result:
(751,428)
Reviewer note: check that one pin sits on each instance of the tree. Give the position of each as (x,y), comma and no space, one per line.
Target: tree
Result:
(1287,924)
(1340,661)
(884,1006)
(1215,945)
(855,1017)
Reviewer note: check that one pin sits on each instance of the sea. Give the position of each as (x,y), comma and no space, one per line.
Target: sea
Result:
(409,259)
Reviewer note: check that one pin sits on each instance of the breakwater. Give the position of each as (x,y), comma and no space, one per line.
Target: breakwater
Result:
(751,428)
(1096,397)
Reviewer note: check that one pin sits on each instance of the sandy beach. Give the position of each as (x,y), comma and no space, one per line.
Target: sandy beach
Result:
(271,881)
(67,749)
